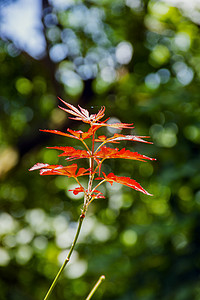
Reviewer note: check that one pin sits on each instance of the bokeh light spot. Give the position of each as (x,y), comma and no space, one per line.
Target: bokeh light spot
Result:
(129,238)
(4,257)
(124,52)
(152,81)
(24,86)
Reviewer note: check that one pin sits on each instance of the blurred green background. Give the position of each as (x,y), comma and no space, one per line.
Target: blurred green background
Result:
(141,59)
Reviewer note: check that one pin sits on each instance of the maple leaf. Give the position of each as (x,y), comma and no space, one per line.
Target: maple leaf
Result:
(79,135)
(69,171)
(77,190)
(106,152)
(95,193)
(71,152)
(83,114)
(120,137)
(82,135)
(125,181)
(115,125)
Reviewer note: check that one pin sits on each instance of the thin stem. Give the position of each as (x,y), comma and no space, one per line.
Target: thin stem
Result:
(86,146)
(99,165)
(92,160)
(81,218)
(98,185)
(101,278)
(100,146)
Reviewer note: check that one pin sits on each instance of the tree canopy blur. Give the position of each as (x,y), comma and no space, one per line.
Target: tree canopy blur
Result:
(141,59)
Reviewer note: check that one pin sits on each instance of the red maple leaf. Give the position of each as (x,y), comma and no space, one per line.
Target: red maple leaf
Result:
(72,153)
(123,180)
(115,125)
(120,137)
(95,193)
(77,190)
(106,152)
(79,135)
(83,114)
(69,171)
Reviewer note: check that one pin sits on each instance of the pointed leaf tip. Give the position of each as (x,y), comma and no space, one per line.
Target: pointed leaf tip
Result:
(38,166)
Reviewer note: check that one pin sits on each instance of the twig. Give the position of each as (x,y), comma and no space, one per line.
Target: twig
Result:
(101,278)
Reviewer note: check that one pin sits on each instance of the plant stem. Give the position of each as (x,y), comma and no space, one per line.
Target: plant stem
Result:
(101,278)
(81,218)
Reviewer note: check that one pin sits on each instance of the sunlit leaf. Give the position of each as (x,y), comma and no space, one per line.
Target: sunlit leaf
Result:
(121,137)
(71,152)
(77,190)
(106,152)
(95,194)
(74,134)
(69,171)
(82,114)
(125,181)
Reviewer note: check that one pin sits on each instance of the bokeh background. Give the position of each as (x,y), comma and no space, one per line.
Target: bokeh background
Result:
(141,59)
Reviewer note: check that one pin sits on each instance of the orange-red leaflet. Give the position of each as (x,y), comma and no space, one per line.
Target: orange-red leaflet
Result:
(70,171)
(79,135)
(83,114)
(115,125)
(71,152)
(120,137)
(106,152)
(96,193)
(123,180)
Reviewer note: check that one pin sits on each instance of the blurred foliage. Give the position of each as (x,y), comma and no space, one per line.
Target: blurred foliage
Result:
(141,59)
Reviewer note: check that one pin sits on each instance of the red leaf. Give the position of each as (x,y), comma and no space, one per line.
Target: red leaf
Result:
(106,152)
(96,194)
(70,171)
(125,181)
(80,134)
(83,114)
(121,137)
(77,190)
(71,152)
(38,166)
(115,125)
(74,134)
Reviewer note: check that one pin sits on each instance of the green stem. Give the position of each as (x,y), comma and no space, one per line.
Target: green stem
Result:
(101,278)
(86,146)
(81,218)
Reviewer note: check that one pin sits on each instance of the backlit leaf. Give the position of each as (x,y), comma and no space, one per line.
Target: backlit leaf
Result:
(83,114)
(106,152)
(125,181)
(121,137)
(74,134)
(69,171)
(71,152)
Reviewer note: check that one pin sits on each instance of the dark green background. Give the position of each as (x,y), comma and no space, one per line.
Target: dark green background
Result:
(147,247)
